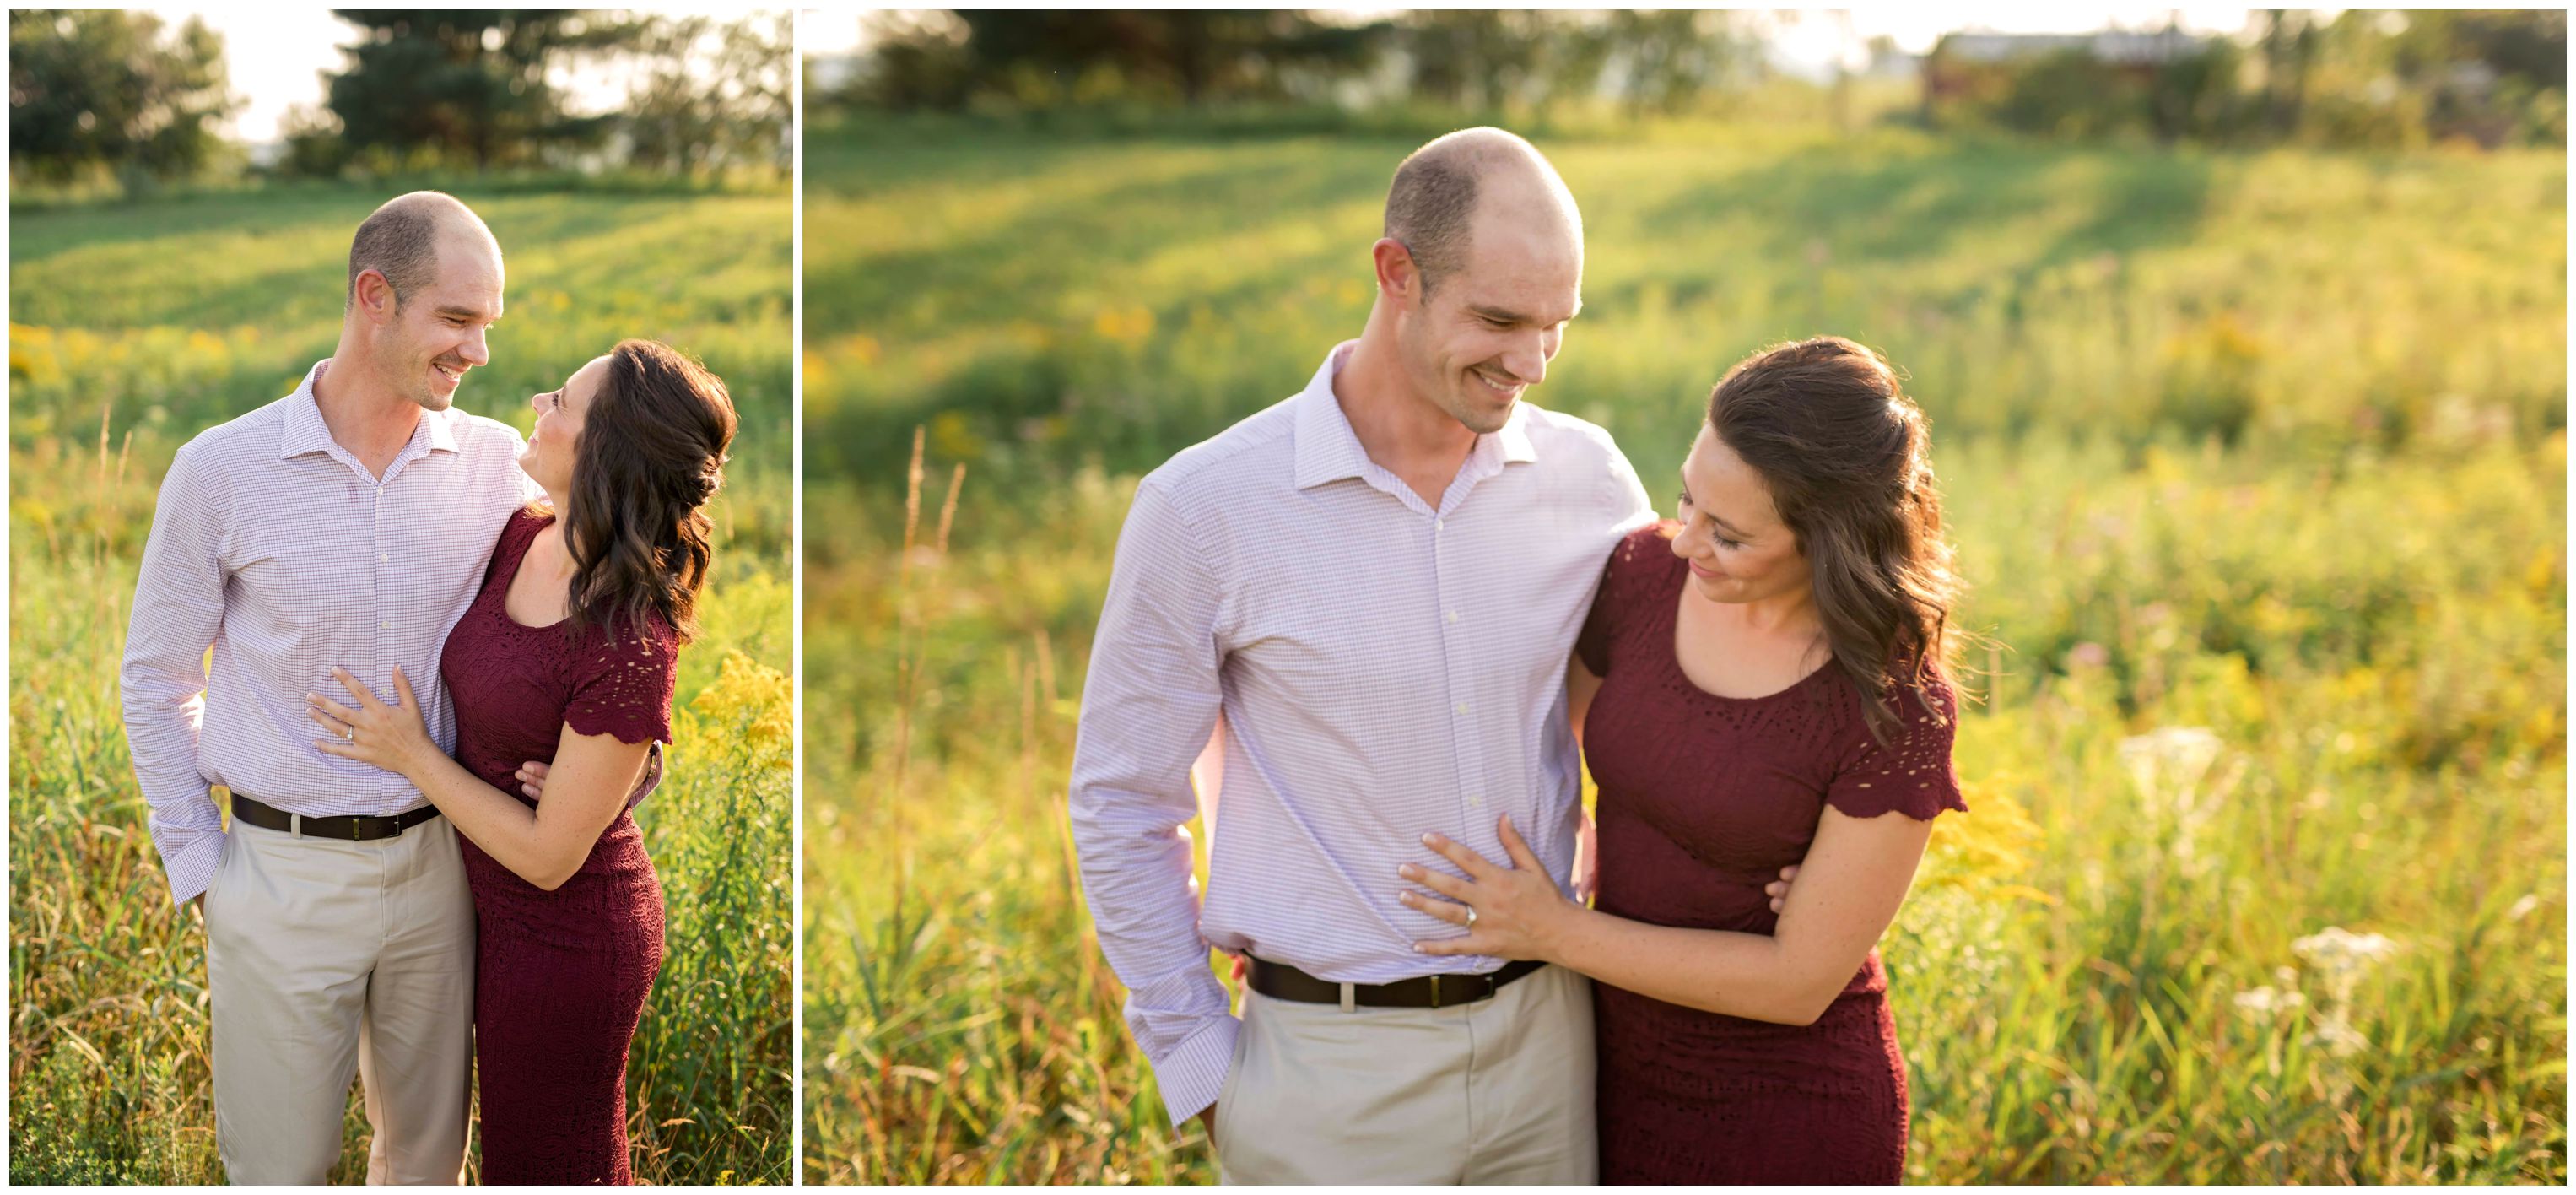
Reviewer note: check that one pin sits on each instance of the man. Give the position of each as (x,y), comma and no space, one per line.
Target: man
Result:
(347,524)
(1368,593)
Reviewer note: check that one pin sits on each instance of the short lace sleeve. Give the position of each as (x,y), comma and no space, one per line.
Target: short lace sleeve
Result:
(1912,773)
(1638,551)
(622,685)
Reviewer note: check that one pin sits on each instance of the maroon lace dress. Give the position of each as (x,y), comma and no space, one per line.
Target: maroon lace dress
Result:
(560,977)
(1703,799)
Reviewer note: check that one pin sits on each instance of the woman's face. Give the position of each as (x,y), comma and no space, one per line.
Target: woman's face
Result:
(556,442)
(1737,547)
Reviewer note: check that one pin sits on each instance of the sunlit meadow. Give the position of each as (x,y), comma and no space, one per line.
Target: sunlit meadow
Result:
(137,325)
(2256,462)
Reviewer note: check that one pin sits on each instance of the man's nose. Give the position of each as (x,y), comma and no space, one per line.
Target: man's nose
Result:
(1528,360)
(474,350)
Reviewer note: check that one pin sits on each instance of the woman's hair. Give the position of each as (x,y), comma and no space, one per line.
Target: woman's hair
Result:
(651,454)
(1846,457)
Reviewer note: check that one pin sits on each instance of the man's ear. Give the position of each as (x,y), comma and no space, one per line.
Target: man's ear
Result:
(1397,275)
(375,297)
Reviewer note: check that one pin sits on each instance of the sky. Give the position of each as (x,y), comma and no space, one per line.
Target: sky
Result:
(275,56)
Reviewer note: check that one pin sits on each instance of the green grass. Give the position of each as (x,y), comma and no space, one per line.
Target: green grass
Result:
(137,325)
(2270,444)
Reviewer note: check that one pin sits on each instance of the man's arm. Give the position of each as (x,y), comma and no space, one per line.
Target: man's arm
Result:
(1635,509)
(178,607)
(1149,704)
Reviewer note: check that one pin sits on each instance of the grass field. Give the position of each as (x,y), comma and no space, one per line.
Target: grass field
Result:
(2256,462)
(137,325)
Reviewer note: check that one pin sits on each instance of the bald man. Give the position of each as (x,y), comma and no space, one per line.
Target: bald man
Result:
(1360,602)
(347,524)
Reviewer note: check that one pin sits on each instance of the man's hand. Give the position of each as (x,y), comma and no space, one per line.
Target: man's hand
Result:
(1778,890)
(532,777)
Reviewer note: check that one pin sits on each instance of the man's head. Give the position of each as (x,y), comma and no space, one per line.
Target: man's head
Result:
(424,284)
(1480,267)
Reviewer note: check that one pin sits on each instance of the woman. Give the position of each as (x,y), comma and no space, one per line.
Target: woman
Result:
(1765,681)
(566,659)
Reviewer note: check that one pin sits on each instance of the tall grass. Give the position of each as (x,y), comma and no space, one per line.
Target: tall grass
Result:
(2256,463)
(137,326)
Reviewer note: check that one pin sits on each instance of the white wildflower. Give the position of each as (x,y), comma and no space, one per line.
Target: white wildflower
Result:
(2341,957)
(2335,948)
(2338,1037)
(2172,757)
(2171,768)
(2522,908)
(2264,1003)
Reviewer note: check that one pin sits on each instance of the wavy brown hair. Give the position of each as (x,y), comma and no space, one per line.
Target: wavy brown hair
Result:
(1846,456)
(650,456)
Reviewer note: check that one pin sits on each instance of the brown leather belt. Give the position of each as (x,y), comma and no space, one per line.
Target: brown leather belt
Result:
(348,828)
(1283,982)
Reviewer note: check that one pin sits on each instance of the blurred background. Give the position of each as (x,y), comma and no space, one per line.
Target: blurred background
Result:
(2242,334)
(183,188)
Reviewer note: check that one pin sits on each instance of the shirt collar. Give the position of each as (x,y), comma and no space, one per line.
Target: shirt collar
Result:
(1328,450)
(306,432)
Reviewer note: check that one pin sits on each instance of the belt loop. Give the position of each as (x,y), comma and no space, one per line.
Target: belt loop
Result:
(295,822)
(1350,1000)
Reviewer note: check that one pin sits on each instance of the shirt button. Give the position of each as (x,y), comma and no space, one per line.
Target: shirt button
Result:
(384,557)
(1462,707)
(1475,802)
(1440,524)
(385,626)
(1453,616)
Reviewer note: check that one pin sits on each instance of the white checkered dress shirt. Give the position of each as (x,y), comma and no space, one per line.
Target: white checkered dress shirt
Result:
(1383,668)
(273,545)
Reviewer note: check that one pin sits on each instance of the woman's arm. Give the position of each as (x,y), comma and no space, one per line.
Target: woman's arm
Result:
(585,788)
(1850,885)
(1580,686)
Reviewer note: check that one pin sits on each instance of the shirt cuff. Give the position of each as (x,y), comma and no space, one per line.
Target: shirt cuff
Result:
(1193,1074)
(191,868)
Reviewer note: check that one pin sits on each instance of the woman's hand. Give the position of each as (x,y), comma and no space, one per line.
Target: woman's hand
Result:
(392,737)
(1511,912)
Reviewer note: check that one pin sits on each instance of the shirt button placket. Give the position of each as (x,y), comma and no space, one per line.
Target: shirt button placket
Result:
(384,630)
(1455,656)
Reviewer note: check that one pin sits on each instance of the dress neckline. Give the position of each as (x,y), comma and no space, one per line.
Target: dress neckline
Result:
(518,558)
(1676,576)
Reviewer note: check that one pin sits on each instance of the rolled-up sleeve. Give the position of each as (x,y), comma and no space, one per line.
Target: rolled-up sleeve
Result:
(1149,705)
(178,608)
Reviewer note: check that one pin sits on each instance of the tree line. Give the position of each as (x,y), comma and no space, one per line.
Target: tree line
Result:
(2357,78)
(130,95)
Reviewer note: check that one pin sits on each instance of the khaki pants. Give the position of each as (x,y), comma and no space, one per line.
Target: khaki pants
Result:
(325,958)
(1499,1091)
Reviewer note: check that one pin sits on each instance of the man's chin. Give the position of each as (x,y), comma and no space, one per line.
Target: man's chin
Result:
(1485,421)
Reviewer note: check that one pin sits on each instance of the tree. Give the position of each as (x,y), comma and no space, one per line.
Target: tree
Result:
(1666,61)
(711,96)
(117,91)
(466,85)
